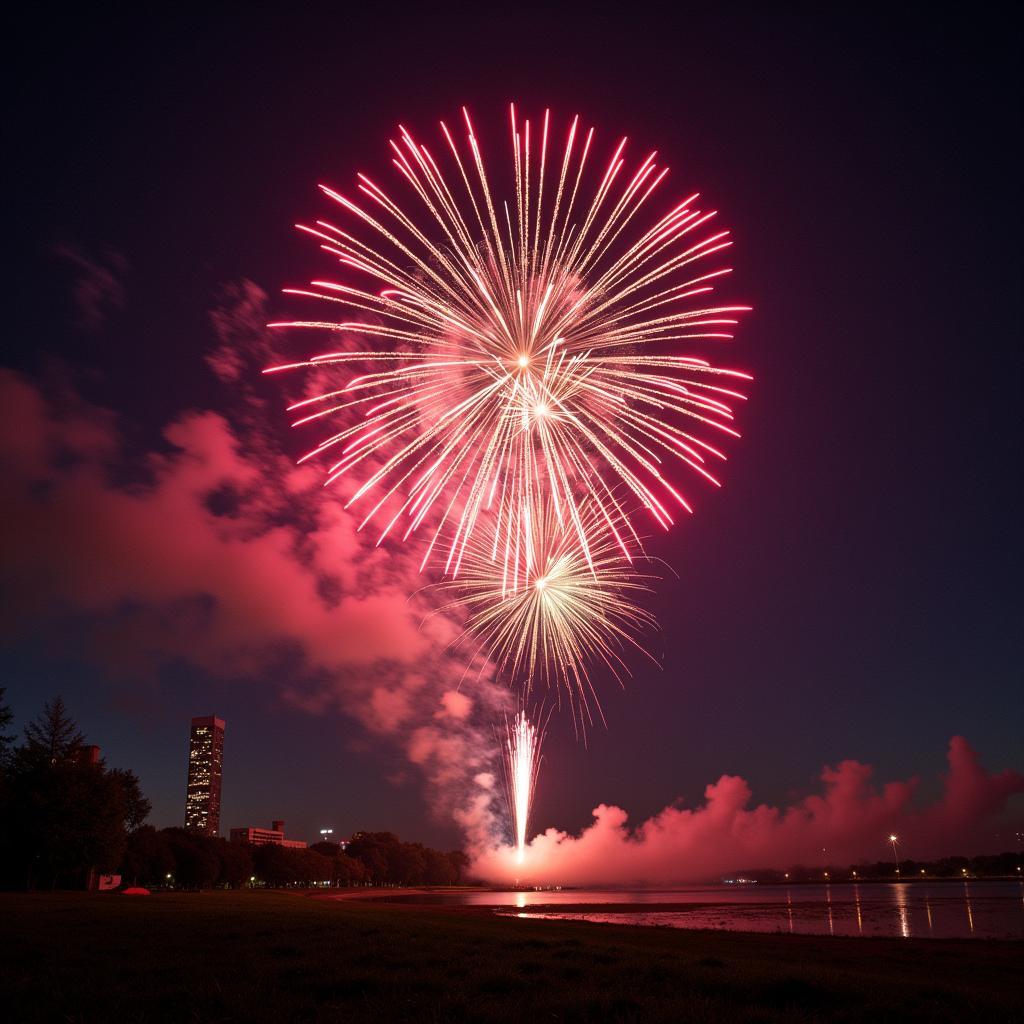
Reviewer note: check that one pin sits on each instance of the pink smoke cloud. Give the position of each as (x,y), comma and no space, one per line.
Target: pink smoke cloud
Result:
(849,820)
(227,556)
(222,553)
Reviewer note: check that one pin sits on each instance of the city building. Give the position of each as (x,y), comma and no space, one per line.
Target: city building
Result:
(89,754)
(205,759)
(273,836)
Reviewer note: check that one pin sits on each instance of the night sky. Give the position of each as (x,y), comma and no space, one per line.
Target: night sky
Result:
(853,591)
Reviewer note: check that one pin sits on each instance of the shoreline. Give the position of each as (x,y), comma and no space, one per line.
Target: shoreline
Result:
(817,918)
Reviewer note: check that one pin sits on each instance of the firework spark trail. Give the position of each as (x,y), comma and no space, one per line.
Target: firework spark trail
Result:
(523,741)
(521,349)
(544,613)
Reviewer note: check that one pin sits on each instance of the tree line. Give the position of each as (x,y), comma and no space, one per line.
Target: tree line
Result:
(999,865)
(187,860)
(67,817)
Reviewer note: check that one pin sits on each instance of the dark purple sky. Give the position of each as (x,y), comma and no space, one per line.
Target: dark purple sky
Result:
(853,590)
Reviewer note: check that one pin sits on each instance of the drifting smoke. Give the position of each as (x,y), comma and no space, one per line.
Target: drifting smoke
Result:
(850,820)
(222,554)
(217,551)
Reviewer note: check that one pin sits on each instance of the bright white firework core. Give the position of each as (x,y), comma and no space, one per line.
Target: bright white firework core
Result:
(522,746)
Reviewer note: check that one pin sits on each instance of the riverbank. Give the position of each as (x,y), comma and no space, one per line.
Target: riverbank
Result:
(262,956)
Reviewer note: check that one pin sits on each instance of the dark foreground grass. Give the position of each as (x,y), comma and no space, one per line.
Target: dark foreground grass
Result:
(279,957)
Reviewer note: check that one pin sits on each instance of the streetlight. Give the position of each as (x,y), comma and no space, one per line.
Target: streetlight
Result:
(894,840)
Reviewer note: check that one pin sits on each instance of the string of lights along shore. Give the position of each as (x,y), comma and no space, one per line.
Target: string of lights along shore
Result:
(524,378)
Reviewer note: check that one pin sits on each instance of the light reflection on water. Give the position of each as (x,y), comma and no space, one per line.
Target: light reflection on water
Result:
(984,909)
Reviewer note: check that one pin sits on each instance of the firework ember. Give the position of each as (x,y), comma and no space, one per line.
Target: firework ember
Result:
(519,348)
(544,612)
(522,762)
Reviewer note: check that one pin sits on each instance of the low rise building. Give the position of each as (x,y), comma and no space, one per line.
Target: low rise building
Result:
(273,836)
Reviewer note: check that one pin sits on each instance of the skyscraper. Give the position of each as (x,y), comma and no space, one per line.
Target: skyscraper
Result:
(205,756)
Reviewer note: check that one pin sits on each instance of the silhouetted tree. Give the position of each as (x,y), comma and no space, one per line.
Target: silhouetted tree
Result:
(348,870)
(439,870)
(196,864)
(147,858)
(274,866)
(136,806)
(236,865)
(460,864)
(371,850)
(406,863)
(53,733)
(387,860)
(313,866)
(6,717)
(66,818)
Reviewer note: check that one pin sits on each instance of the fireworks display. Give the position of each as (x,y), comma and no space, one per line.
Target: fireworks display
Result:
(522,349)
(522,763)
(547,613)
(518,365)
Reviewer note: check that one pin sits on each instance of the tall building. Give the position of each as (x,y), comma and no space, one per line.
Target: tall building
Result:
(205,757)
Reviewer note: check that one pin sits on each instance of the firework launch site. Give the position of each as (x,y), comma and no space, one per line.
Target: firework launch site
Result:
(261,956)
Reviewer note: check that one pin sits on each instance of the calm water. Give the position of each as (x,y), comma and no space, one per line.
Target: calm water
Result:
(954,909)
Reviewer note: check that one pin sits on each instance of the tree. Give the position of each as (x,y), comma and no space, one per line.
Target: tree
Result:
(147,857)
(66,818)
(348,870)
(274,865)
(313,866)
(387,860)
(371,850)
(460,864)
(236,865)
(6,717)
(53,733)
(438,869)
(196,864)
(407,863)
(136,806)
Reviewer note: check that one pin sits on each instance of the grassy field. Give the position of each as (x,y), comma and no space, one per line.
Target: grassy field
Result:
(264,956)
